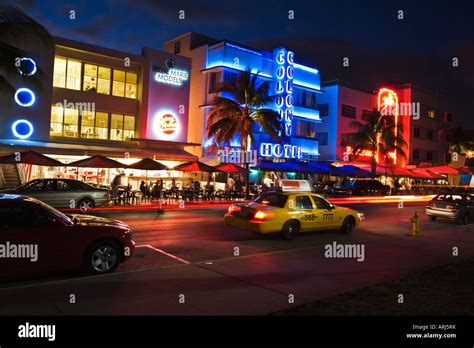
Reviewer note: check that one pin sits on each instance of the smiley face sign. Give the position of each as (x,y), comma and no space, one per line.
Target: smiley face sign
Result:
(168,124)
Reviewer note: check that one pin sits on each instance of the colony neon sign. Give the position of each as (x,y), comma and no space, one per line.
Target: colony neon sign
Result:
(284,73)
(280,150)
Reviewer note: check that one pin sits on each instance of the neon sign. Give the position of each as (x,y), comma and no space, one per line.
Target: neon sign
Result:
(387,103)
(172,76)
(165,125)
(24,97)
(26,66)
(22,129)
(284,73)
(280,150)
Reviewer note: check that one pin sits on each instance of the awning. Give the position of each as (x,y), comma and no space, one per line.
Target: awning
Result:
(442,170)
(425,174)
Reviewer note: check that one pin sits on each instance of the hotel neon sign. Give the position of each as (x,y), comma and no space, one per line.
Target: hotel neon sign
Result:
(280,150)
(284,74)
(387,104)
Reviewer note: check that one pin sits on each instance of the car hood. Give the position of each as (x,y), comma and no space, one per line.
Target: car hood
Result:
(90,220)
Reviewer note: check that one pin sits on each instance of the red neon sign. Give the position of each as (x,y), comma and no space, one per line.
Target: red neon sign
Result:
(387,103)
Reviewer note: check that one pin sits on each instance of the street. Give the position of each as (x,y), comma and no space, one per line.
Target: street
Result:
(188,262)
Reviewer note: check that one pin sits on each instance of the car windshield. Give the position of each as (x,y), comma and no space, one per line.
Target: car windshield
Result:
(273,199)
(56,213)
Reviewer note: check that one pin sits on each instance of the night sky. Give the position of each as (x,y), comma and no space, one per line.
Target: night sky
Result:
(382,49)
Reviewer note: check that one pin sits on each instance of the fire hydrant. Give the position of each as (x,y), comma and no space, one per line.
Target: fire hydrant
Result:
(415,224)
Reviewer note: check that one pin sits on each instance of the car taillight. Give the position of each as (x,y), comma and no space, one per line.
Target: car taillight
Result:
(233,209)
(259,215)
(452,207)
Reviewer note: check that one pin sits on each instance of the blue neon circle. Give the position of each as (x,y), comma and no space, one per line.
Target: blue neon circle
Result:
(22,129)
(25,97)
(27,66)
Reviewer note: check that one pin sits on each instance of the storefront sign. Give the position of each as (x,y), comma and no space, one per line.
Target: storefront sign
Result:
(280,150)
(168,124)
(171,76)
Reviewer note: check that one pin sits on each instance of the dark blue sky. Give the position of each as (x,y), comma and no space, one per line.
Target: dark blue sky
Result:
(381,48)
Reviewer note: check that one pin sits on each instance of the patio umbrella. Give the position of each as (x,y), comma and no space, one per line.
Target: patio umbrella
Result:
(231,168)
(195,166)
(148,164)
(30,157)
(97,161)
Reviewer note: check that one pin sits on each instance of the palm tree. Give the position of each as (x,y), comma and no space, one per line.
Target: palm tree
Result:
(240,109)
(461,140)
(17,26)
(378,134)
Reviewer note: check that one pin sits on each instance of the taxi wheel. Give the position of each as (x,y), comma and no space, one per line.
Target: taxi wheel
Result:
(290,229)
(348,225)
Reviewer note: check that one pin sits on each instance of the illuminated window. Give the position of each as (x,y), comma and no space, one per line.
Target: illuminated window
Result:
(57,114)
(129,127)
(90,78)
(87,124)
(116,127)
(101,125)
(118,87)
(103,82)
(431,113)
(59,78)
(73,78)
(131,85)
(71,122)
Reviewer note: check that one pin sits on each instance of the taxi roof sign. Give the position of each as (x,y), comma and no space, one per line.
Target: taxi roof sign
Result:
(295,185)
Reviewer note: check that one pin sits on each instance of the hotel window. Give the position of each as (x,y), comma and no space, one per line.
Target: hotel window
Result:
(348,111)
(116,127)
(305,129)
(416,132)
(131,85)
(101,125)
(129,127)
(214,81)
(73,77)
(416,154)
(430,135)
(103,81)
(177,47)
(59,78)
(429,156)
(90,78)
(57,114)
(87,124)
(71,123)
(431,113)
(322,138)
(118,87)
(323,109)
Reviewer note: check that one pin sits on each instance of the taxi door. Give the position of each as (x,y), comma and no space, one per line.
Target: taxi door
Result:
(305,212)
(326,215)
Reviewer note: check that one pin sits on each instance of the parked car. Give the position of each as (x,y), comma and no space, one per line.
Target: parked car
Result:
(63,242)
(454,206)
(362,188)
(64,193)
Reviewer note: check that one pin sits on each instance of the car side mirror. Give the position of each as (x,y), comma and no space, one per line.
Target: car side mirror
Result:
(331,207)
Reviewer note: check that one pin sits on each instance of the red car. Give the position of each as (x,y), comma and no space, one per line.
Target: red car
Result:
(37,239)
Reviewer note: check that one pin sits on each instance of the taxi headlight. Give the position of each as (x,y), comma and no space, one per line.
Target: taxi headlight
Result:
(360,216)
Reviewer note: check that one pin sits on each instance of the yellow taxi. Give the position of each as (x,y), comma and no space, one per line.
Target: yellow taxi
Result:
(293,210)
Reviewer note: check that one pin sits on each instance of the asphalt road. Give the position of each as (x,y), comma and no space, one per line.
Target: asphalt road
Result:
(188,262)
